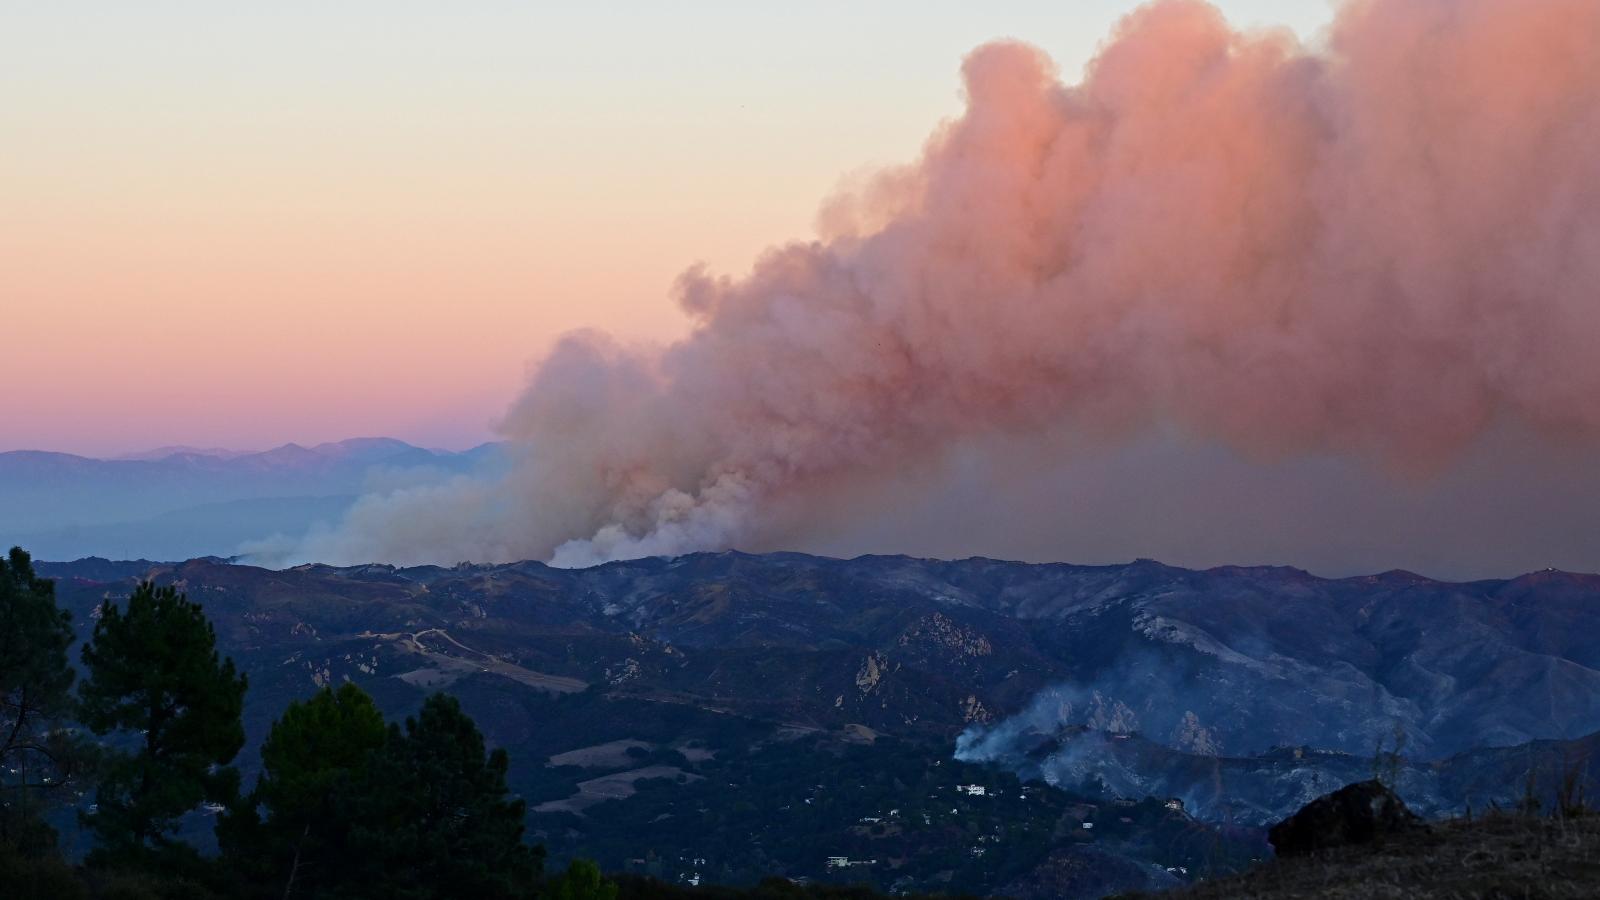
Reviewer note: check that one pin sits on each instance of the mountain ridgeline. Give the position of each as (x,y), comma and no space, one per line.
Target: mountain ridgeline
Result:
(183,502)
(825,718)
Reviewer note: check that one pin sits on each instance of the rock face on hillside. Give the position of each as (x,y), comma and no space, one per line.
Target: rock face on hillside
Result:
(1359,813)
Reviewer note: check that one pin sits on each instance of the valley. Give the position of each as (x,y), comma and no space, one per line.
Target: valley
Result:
(718,718)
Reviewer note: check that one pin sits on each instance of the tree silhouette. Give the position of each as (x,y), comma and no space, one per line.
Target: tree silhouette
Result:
(155,682)
(313,751)
(37,750)
(430,816)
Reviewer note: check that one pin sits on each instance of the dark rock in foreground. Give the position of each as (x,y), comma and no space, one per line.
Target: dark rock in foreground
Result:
(1355,814)
(1500,856)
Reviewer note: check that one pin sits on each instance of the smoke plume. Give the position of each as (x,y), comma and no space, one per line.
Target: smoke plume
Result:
(1381,248)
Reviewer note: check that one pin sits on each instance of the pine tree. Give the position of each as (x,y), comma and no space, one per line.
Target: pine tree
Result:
(38,752)
(312,752)
(155,681)
(430,816)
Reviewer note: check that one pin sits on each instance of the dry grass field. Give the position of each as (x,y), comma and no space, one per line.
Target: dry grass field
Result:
(1498,856)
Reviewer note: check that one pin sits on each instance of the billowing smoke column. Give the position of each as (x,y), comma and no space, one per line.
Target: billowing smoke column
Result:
(1377,248)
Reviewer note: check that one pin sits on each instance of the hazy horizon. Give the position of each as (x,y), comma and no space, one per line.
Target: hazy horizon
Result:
(373,218)
(1304,283)
(147,451)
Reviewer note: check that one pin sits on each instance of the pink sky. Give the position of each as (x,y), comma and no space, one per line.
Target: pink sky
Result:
(241,229)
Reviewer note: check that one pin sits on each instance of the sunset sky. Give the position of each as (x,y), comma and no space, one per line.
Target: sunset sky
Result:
(230,225)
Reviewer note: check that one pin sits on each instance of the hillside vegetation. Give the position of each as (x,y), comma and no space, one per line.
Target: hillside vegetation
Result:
(1498,856)
(722,718)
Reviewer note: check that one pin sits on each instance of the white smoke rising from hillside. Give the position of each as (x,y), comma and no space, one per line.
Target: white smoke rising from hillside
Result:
(1379,249)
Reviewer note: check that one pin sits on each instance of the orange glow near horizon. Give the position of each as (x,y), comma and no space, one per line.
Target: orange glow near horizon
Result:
(247,227)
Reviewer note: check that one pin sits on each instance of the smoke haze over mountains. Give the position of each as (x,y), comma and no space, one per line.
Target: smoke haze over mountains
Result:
(1231,298)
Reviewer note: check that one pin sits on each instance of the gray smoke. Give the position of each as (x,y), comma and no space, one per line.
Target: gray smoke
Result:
(1226,273)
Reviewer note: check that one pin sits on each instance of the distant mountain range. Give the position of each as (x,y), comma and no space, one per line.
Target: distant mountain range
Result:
(636,693)
(183,502)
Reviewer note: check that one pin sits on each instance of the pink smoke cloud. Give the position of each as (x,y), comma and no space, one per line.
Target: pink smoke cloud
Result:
(1380,249)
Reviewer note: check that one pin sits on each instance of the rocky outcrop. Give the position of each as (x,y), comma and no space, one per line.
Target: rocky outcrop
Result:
(941,631)
(1359,813)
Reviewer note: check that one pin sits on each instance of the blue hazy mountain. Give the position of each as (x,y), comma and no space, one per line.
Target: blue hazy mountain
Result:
(181,502)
